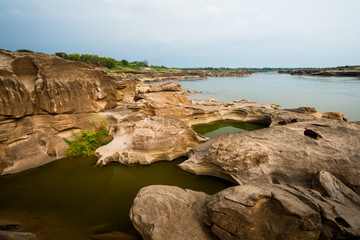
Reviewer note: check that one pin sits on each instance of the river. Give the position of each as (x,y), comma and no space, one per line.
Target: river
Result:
(335,94)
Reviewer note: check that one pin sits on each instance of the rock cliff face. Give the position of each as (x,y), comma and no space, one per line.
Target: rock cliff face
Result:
(37,83)
(42,99)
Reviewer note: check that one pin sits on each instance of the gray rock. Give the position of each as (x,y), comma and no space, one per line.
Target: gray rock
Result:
(165,212)
(7,235)
(274,211)
(289,154)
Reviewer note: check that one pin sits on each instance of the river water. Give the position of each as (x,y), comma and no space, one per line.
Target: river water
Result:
(335,94)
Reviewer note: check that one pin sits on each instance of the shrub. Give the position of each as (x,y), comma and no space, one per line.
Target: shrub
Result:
(85,142)
(24,50)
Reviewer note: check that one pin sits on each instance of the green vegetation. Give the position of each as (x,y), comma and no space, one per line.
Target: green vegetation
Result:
(85,143)
(108,62)
(24,50)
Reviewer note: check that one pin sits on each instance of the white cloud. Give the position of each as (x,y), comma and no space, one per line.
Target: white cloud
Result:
(164,29)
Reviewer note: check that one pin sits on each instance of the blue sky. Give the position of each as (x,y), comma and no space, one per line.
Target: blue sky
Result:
(189,33)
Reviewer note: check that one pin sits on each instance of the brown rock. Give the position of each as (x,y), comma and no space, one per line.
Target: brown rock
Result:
(7,235)
(152,139)
(36,83)
(274,211)
(165,212)
(166,86)
(290,154)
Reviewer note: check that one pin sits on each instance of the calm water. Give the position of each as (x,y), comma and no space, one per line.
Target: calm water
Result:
(225,126)
(337,94)
(71,195)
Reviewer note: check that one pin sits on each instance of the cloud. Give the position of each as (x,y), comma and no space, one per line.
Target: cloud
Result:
(187,32)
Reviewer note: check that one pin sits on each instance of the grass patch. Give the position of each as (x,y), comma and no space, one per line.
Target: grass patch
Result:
(86,142)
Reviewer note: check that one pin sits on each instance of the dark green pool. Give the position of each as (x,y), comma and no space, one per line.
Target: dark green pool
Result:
(65,198)
(226,126)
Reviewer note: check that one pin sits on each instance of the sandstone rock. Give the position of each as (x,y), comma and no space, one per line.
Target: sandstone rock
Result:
(169,103)
(165,212)
(262,212)
(7,235)
(166,86)
(335,115)
(35,140)
(273,211)
(289,154)
(152,139)
(36,83)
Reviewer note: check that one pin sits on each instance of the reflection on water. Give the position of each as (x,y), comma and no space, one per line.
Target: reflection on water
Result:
(336,94)
(226,126)
(71,195)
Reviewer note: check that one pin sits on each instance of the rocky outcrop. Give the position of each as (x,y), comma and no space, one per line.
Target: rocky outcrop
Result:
(289,154)
(153,139)
(147,76)
(165,212)
(273,211)
(339,72)
(162,99)
(7,235)
(36,83)
(252,211)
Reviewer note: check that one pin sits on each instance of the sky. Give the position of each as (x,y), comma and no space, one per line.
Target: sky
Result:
(189,33)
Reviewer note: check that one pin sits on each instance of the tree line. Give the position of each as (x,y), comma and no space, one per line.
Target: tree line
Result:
(102,61)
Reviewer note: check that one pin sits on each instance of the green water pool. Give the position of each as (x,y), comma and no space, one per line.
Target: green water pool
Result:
(65,198)
(226,126)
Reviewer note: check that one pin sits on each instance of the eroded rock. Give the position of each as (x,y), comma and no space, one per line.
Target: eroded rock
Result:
(289,154)
(7,235)
(36,83)
(165,212)
(152,139)
(274,211)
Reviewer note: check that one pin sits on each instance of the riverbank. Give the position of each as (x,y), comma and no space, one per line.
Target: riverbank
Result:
(157,76)
(339,71)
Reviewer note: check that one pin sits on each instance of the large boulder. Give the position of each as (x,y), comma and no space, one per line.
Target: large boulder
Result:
(274,211)
(36,83)
(7,235)
(251,211)
(163,99)
(290,154)
(153,139)
(165,212)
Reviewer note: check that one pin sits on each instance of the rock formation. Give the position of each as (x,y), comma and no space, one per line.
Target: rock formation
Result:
(252,211)
(274,211)
(37,83)
(289,154)
(42,99)
(153,139)
(165,212)
(339,72)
